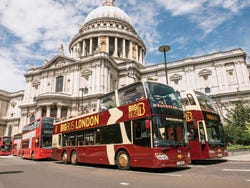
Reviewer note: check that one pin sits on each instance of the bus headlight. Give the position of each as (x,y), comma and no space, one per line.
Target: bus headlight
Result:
(161,156)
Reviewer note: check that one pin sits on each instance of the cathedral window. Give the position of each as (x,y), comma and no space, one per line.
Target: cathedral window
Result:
(231,76)
(207,90)
(205,73)
(59,84)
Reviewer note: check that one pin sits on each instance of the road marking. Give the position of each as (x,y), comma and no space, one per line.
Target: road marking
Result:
(175,175)
(124,183)
(236,170)
(198,166)
(248,180)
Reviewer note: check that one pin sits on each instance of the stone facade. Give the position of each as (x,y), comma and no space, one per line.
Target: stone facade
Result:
(10,112)
(106,54)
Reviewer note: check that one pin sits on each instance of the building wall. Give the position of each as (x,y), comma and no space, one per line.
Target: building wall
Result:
(10,112)
(222,75)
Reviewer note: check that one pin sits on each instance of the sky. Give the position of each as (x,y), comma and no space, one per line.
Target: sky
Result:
(31,31)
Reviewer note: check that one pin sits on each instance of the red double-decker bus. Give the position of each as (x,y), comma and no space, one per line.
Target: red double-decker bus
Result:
(139,125)
(37,139)
(16,144)
(5,145)
(204,127)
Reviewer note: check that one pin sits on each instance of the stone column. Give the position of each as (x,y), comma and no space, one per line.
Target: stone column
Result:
(59,110)
(90,46)
(48,111)
(116,48)
(83,48)
(39,111)
(244,72)
(107,46)
(140,60)
(98,77)
(218,75)
(130,55)
(123,48)
(224,75)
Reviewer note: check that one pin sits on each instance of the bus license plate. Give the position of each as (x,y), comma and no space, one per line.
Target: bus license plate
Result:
(179,163)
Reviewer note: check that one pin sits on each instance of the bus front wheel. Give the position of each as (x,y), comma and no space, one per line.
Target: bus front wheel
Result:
(65,157)
(123,160)
(73,158)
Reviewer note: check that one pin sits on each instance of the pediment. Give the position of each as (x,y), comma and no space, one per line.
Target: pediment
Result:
(57,61)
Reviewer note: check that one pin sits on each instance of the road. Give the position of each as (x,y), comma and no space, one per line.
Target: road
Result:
(19,173)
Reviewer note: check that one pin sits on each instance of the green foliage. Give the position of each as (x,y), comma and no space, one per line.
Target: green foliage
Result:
(238,147)
(237,125)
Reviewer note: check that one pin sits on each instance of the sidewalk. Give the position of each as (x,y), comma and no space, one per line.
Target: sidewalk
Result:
(243,156)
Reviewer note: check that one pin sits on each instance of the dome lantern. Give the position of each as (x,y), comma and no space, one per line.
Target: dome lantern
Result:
(109,3)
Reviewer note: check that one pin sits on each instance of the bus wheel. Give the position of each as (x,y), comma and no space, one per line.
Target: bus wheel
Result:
(122,160)
(73,158)
(65,157)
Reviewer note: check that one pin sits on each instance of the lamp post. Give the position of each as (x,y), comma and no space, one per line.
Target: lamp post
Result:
(83,90)
(164,49)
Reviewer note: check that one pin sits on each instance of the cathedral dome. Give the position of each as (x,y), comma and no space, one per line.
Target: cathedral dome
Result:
(108,10)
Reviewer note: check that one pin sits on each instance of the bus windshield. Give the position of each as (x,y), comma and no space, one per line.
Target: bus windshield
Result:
(162,96)
(205,102)
(168,132)
(47,130)
(215,133)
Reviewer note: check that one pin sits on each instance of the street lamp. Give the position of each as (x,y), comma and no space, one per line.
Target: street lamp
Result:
(83,90)
(164,49)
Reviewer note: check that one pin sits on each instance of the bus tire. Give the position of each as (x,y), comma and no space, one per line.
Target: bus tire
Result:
(123,160)
(65,157)
(73,158)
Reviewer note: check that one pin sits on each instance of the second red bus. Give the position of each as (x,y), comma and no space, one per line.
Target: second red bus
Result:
(37,139)
(205,129)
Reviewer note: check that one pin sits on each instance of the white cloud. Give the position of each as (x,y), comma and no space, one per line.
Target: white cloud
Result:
(11,74)
(232,5)
(180,7)
(145,21)
(207,14)
(30,31)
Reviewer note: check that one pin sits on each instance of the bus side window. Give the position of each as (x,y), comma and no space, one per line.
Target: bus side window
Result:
(191,99)
(141,133)
(107,102)
(202,133)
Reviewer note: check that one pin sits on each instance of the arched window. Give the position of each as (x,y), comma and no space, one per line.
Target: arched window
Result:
(59,84)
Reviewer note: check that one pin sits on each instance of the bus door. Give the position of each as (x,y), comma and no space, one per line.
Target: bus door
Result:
(202,135)
(142,153)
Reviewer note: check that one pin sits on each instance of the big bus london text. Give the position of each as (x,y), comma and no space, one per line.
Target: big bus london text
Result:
(139,125)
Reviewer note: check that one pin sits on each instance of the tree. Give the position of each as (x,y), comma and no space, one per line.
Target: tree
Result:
(236,124)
